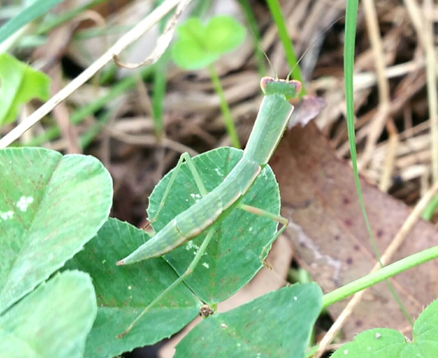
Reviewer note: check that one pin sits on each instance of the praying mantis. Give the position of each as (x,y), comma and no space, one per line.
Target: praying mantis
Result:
(271,122)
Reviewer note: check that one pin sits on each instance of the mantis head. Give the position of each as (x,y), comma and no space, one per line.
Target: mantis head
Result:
(288,88)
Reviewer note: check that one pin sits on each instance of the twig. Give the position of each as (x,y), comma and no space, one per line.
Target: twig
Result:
(162,42)
(142,27)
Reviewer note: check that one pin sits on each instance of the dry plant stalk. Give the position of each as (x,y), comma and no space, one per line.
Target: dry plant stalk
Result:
(163,41)
(141,28)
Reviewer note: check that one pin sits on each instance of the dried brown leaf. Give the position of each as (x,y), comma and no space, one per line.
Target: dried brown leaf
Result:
(329,234)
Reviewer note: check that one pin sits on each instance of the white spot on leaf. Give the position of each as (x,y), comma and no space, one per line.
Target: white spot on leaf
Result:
(7,215)
(24,203)
(196,197)
(206,265)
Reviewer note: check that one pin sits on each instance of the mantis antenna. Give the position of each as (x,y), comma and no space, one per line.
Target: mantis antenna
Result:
(310,46)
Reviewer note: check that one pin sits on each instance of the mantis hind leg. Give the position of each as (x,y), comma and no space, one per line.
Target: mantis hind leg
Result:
(191,165)
(180,279)
(278,218)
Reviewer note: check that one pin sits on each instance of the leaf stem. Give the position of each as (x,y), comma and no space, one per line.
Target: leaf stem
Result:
(224,107)
(379,276)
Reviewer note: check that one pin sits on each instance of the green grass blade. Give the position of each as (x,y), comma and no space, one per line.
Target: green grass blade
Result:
(429,210)
(159,93)
(252,23)
(350,36)
(200,8)
(160,83)
(35,10)
(64,17)
(225,109)
(275,9)
(78,116)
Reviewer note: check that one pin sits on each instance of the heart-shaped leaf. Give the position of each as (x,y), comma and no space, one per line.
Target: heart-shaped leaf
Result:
(388,343)
(233,255)
(19,83)
(198,46)
(50,206)
(277,324)
(124,291)
(52,321)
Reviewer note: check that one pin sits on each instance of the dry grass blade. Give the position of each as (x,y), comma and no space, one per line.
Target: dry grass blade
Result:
(382,116)
(431,83)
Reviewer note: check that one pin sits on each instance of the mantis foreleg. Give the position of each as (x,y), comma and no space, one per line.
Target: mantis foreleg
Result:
(191,165)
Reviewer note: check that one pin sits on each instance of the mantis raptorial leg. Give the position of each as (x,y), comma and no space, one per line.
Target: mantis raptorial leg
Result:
(188,159)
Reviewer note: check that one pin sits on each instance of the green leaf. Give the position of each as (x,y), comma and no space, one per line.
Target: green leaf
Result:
(224,34)
(277,324)
(198,46)
(388,343)
(19,83)
(52,321)
(233,256)
(124,291)
(38,8)
(50,206)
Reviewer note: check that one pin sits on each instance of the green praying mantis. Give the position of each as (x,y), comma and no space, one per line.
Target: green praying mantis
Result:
(272,120)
